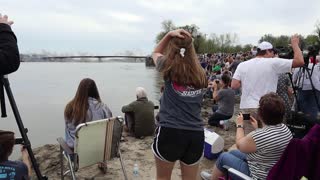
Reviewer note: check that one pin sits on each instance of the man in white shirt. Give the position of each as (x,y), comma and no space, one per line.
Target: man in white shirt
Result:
(259,76)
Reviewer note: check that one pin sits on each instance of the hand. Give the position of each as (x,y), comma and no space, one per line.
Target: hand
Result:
(4,20)
(24,153)
(295,40)
(254,122)
(215,85)
(290,91)
(180,33)
(239,120)
(26,159)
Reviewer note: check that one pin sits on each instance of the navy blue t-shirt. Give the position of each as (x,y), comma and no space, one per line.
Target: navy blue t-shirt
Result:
(13,170)
(180,105)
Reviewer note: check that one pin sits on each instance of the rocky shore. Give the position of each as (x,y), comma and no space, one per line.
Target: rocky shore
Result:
(133,151)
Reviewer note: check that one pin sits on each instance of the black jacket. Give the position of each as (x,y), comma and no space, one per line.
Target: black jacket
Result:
(9,53)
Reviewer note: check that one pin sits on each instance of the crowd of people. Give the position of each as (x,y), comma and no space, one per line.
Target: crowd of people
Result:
(259,77)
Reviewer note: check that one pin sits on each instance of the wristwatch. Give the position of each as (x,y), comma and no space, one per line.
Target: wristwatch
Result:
(239,126)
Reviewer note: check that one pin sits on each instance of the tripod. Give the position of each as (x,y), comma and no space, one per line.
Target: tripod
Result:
(300,123)
(4,84)
(305,72)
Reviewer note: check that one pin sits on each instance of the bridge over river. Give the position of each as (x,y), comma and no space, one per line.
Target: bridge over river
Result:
(147,59)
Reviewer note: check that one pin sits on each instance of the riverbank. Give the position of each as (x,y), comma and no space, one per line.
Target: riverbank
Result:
(133,151)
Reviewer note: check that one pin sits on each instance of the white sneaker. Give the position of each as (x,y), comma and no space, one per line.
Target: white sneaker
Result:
(205,175)
(224,124)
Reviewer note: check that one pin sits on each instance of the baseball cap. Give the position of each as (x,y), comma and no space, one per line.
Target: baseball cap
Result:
(6,136)
(216,68)
(265,46)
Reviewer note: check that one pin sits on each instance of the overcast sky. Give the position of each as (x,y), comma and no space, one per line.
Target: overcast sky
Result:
(112,26)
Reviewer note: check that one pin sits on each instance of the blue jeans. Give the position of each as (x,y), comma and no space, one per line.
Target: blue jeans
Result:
(234,159)
(307,102)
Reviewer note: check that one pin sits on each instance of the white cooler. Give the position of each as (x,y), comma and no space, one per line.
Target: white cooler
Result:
(213,144)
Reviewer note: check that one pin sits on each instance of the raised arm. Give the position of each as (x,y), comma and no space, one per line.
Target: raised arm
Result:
(159,50)
(297,58)
(25,160)
(9,53)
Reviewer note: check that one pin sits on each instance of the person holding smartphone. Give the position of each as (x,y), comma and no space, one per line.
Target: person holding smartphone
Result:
(261,149)
(12,169)
(225,97)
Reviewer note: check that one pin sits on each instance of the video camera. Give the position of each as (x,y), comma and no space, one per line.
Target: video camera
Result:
(287,53)
(300,123)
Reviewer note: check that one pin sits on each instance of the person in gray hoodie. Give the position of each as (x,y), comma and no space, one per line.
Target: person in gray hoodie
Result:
(86,106)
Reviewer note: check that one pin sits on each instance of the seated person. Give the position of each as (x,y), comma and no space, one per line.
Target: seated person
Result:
(261,149)
(12,169)
(139,115)
(225,99)
(86,106)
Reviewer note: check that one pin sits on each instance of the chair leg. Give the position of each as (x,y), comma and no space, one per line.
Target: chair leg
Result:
(103,166)
(71,168)
(122,165)
(61,163)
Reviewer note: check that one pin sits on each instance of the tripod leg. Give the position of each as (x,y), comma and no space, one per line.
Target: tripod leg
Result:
(2,100)
(22,130)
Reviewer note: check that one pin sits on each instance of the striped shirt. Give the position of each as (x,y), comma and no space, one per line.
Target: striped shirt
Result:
(271,141)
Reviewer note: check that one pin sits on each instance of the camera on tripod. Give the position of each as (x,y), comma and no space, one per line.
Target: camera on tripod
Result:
(310,52)
(301,121)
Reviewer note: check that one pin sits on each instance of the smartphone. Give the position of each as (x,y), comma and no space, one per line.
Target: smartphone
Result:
(246,116)
(18,141)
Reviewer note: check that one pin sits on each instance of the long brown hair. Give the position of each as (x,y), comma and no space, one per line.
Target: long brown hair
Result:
(183,70)
(76,109)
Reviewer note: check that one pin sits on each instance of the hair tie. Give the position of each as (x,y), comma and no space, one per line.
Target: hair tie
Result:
(182,51)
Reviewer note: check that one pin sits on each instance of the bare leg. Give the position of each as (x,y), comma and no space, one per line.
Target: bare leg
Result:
(189,172)
(164,169)
(216,173)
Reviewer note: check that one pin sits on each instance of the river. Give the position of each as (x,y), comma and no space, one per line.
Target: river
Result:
(42,90)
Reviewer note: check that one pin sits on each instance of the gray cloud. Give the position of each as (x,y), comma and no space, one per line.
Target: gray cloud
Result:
(108,27)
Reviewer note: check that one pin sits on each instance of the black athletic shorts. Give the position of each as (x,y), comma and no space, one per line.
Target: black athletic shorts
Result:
(172,144)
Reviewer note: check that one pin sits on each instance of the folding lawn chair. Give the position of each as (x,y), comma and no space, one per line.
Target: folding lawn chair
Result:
(96,142)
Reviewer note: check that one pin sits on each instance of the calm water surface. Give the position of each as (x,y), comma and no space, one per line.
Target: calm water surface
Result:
(42,90)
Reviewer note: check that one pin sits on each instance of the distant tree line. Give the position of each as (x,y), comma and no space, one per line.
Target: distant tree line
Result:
(228,42)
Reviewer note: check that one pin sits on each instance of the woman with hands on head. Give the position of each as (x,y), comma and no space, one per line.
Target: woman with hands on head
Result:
(261,149)
(180,135)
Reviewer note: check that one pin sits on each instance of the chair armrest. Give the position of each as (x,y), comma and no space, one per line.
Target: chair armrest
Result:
(64,146)
(237,173)
(120,119)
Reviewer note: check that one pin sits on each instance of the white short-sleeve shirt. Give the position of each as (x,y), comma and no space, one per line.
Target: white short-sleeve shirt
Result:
(258,77)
